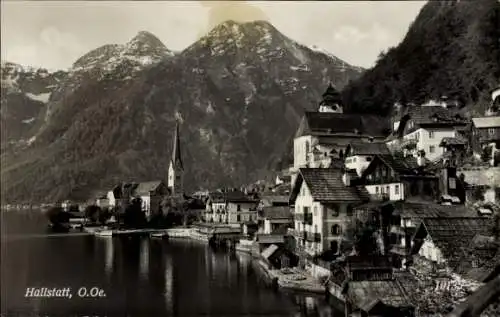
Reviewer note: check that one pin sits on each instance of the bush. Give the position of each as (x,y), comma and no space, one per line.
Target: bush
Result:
(57,216)
(92,213)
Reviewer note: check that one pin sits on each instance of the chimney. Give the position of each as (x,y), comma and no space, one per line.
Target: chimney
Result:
(346,178)
(421,158)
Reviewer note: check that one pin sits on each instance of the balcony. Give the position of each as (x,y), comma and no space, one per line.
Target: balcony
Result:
(380,197)
(313,236)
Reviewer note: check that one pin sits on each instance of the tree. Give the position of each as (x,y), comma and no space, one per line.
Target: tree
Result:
(92,213)
(134,216)
(104,215)
(486,154)
(58,217)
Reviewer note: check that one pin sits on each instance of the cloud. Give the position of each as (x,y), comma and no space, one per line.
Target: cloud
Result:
(239,11)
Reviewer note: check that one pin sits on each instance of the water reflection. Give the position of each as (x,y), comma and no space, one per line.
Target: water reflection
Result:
(169,285)
(144,259)
(109,256)
(141,278)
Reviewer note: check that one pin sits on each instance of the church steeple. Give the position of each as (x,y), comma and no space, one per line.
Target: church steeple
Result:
(176,151)
(176,168)
(331,102)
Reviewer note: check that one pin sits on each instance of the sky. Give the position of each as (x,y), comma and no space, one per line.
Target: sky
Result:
(54,34)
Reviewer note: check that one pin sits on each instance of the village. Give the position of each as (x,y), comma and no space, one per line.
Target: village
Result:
(399,220)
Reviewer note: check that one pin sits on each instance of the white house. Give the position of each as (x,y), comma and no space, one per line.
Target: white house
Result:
(151,193)
(422,128)
(322,135)
(231,207)
(323,206)
(359,155)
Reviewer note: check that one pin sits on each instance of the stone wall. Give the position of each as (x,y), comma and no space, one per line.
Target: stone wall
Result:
(482,176)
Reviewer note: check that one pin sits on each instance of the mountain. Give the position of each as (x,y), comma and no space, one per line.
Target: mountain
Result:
(25,94)
(451,49)
(239,92)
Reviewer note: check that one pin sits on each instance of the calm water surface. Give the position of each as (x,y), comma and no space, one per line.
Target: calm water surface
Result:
(140,277)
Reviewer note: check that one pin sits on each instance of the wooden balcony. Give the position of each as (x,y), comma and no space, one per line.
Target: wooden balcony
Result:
(313,237)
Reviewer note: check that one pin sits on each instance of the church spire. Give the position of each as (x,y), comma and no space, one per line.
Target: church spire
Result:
(176,151)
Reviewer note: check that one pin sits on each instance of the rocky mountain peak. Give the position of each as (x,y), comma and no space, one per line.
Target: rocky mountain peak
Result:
(143,49)
(146,44)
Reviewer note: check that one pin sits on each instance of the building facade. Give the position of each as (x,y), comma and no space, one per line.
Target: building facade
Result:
(323,206)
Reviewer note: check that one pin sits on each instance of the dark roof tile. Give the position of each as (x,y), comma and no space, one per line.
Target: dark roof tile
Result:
(326,185)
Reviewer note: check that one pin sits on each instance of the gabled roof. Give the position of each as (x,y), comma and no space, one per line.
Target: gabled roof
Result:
(367,148)
(366,294)
(231,196)
(326,185)
(399,164)
(145,188)
(452,235)
(486,122)
(423,115)
(325,123)
(277,212)
(458,140)
(270,199)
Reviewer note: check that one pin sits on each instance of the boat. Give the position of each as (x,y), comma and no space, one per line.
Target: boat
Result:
(104,233)
(159,235)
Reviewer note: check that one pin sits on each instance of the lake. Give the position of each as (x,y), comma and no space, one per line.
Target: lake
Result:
(136,277)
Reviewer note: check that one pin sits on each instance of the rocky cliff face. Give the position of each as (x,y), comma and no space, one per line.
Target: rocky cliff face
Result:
(239,91)
(25,93)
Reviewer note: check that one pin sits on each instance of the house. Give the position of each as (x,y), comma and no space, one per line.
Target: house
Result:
(486,131)
(422,128)
(121,195)
(323,205)
(371,289)
(377,298)
(151,193)
(231,207)
(481,262)
(278,257)
(276,219)
(99,198)
(395,177)
(397,222)
(454,150)
(273,200)
(442,242)
(323,134)
(359,155)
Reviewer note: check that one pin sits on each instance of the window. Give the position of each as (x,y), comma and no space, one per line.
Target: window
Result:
(307,147)
(238,207)
(315,228)
(387,189)
(396,189)
(354,159)
(432,149)
(452,182)
(376,190)
(238,218)
(315,211)
(431,134)
(334,246)
(368,159)
(335,230)
(491,131)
